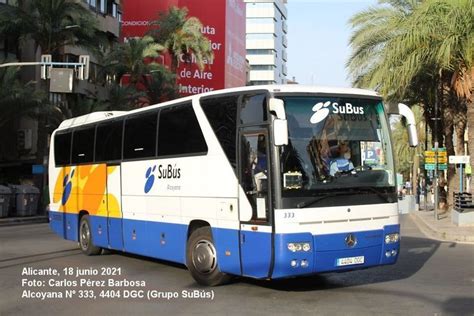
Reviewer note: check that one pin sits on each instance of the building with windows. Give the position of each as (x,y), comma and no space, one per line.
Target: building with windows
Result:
(266,41)
(22,157)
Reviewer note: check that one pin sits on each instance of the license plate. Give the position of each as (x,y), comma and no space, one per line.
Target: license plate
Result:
(350,261)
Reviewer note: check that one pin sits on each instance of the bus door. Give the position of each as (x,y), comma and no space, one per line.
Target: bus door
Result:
(114,206)
(255,232)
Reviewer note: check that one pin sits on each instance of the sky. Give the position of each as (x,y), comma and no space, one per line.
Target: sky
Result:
(318,40)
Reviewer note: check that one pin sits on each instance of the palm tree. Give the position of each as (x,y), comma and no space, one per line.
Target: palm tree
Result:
(136,57)
(182,38)
(161,85)
(404,47)
(51,24)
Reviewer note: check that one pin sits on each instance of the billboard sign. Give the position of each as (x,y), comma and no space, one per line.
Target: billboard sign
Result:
(223,24)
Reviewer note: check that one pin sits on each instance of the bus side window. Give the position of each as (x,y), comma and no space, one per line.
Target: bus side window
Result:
(140,136)
(253,109)
(83,145)
(179,132)
(108,144)
(62,148)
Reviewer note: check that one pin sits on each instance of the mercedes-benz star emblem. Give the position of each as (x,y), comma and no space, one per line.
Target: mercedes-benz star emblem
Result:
(350,240)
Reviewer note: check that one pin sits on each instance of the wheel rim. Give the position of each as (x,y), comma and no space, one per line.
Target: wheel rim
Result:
(85,235)
(204,257)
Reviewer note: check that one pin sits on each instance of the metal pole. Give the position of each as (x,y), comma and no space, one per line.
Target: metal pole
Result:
(32,63)
(435,179)
(436,143)
(460,178)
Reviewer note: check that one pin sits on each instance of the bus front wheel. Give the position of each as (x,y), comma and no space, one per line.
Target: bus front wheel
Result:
(85,238)
(201,258)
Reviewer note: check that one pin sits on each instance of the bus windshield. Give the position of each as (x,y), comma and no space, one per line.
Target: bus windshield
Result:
(335,143)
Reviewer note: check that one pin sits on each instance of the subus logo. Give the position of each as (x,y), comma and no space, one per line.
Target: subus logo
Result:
(321,110)
(164,172)
(67,187)
(150,179)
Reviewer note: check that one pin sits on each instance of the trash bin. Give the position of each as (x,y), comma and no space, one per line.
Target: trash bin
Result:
(5,194)
(27,197)
(12,204)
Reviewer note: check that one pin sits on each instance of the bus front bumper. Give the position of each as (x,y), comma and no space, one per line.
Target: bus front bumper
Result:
(335,252)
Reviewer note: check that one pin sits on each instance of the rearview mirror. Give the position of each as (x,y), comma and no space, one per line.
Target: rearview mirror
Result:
(406,112)
(278,107)
(280,132)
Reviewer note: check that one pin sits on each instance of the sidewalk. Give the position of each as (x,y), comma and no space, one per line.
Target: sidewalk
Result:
(10,221)
(442,229)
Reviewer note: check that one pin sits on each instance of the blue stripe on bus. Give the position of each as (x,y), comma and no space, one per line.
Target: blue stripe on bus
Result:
(99,230)
(116,233)
(256,253)
(168,242)
(227,247)
(154,239)
(56,223)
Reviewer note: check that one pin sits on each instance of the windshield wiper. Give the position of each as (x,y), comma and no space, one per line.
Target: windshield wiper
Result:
(319,198)
(377,192)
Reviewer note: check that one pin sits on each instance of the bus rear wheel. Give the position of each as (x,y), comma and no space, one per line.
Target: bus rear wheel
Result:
(85,237)
(201,258)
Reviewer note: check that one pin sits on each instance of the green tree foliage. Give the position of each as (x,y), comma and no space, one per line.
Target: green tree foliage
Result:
(161,85)
(136,57)
(51,24)
(420,52)
(400,40)
(16,98)
(182,38)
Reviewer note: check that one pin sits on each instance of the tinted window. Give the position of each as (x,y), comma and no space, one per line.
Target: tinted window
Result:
(140,136)
(179,132)
(83,145)
(222,115)
(108,144)
(62,148)
(253,109)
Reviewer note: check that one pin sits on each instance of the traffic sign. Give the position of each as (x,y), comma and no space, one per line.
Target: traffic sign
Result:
(429,153)
(430,160)
(429,166)
(459,159)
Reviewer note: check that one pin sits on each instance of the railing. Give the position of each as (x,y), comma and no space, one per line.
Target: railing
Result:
(463,202)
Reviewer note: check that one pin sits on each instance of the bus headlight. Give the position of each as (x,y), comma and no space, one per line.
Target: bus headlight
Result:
(392,238)
(299,246)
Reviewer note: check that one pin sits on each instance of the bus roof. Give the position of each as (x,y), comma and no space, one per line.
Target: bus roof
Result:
(278,89)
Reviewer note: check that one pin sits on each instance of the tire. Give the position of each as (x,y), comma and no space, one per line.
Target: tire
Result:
(85,238)
(201,258)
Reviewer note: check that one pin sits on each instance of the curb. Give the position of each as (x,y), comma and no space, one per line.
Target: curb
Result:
(432,232)
(13,221)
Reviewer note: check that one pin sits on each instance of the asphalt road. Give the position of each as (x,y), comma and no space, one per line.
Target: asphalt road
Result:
(430,278)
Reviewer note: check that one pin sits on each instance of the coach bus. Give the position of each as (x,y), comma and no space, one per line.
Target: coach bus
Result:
(236,182)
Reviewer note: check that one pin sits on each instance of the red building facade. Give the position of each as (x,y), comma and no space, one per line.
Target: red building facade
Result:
(223,23)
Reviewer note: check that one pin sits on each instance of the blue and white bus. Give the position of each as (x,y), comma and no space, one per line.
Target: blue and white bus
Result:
(237,182)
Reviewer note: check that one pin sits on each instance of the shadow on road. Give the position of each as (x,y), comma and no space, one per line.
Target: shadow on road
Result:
(36,258)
